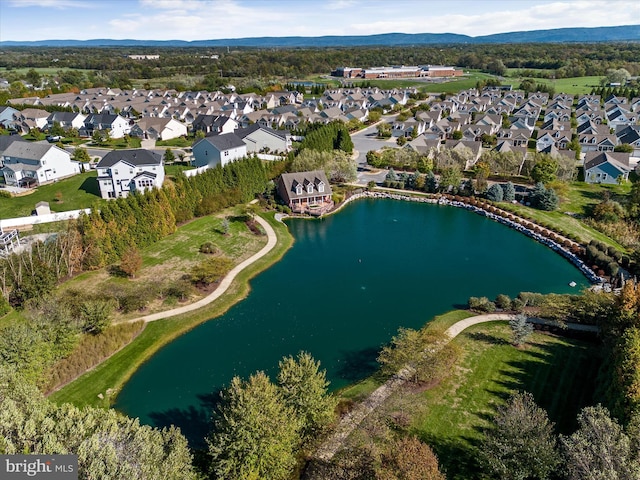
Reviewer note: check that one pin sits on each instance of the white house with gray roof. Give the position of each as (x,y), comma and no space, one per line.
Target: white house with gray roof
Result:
(124,171)
(259,139)
(34,164)
(218,150)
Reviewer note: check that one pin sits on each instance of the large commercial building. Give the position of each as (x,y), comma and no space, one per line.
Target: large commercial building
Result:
(397,71)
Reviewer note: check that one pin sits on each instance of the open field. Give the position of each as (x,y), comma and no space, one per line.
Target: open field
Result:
(559,372)
(572,85)
(115,371)
(79,191)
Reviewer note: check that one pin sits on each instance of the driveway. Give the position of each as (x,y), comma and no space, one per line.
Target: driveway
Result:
(364,141)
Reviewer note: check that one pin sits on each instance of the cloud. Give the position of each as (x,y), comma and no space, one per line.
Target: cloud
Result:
(340,4)
(60,4)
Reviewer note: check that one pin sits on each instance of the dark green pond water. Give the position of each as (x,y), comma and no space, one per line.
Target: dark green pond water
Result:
(340,293)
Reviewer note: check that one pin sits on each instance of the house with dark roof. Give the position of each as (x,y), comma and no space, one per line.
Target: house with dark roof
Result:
(216,124)
(29,164)
(116,125)
(606,167)
(259,139)
(218,150)
(5,141)
(124,171)
(66,120)
(306,192)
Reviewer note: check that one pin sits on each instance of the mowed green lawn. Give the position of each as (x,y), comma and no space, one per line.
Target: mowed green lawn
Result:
(559,372)
(79,191)
(572,85)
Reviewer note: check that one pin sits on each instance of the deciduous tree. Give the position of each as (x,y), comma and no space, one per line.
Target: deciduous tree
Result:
(255,433)
(599,449)
(304,388)
(521,444)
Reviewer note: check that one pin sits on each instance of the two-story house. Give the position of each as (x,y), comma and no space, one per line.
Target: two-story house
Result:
(124,171)
(29,164)
(218,150)
(116,125)
(306,192)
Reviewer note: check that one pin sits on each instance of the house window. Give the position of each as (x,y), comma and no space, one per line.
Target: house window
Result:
(321,187)
(310,188)
(299,190)
(226,154)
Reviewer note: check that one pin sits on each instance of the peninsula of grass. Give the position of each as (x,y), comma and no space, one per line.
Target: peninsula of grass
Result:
(559,372)
(108,378)
(73,193)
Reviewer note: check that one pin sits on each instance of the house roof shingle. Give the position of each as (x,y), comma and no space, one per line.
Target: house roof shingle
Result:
(136,157)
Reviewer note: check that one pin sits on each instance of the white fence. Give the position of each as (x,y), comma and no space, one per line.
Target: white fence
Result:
(8,223)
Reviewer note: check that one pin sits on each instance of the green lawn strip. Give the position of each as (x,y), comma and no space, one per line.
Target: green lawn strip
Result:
(79,191)
(582,196)
(360,390)
(175,169)
(115,371)
(175,142)
(559,372)
(562,222)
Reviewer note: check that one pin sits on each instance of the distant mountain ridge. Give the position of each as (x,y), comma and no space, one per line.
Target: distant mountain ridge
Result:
(622,33)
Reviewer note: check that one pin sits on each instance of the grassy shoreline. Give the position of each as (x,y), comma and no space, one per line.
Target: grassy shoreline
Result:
(108,378)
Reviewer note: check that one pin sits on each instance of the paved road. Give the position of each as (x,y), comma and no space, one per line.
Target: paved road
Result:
(364,141)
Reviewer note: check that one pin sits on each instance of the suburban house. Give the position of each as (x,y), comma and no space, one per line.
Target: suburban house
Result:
(306,192)
(117,126)
(218,150)
(630,134)
(124,171)
(5,141)
(260,139)
(606,167)
(32,164)
(155,128)
(214,124)
(8,116)
(66,120)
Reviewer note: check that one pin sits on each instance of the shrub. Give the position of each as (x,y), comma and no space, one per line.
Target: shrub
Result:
(531,299)
(481,304)
(5,194)
(211,270)
(495,193)
(503,302)
(133,302)
(208,247)
(517,305)
(180,289)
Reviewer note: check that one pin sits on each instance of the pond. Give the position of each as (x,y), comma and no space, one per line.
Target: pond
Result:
(341,292)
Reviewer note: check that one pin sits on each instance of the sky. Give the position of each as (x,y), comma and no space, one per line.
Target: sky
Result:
(22,20)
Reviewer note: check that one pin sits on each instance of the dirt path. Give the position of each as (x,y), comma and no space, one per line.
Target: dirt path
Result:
(224,284)
(351,420)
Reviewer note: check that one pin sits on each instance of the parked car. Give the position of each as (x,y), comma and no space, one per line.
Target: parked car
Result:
(53,138)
